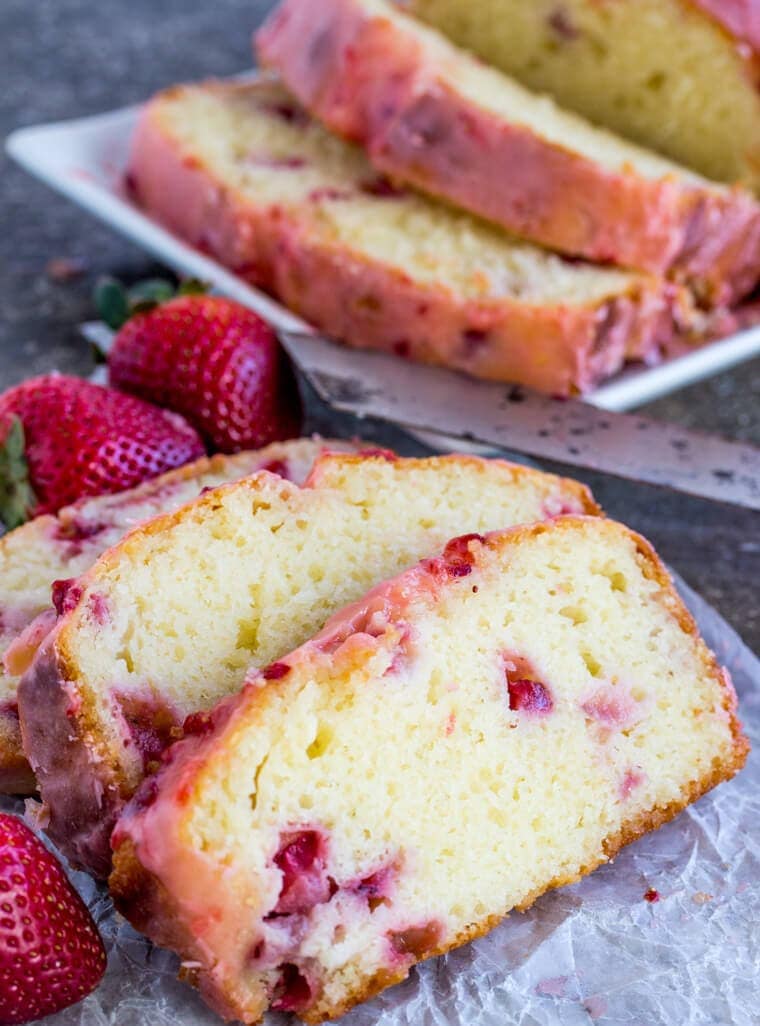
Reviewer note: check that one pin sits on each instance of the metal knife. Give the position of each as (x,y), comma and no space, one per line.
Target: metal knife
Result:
(370,384)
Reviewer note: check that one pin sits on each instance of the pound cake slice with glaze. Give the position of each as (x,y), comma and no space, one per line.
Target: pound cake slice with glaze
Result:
(434,117)
(680,76)
(495,722)
(170,621)
(242,172)
(51,549)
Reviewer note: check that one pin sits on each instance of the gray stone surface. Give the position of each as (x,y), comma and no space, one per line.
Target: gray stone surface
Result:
(63,58)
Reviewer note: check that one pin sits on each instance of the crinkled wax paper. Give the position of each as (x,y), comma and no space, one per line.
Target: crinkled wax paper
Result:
(595,952)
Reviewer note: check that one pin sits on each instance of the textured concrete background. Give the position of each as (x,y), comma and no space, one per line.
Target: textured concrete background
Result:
(63,58)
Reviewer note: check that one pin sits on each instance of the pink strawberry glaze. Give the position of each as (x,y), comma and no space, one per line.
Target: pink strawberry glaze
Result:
(740,17)
(289,258)
(21,651)
(75,784)
(529,696)
(384,454)
(423,130)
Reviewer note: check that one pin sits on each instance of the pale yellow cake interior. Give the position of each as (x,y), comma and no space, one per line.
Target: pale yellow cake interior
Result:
(239,134)
(47,549)
(252,570)
(659,72)
(425,766)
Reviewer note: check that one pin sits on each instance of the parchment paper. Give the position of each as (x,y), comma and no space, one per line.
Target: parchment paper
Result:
(595,952)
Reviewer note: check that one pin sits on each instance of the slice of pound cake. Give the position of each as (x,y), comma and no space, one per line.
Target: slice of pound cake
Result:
(434,117)
(494,722)
(45,553)
(242,172)
(680,76)
(169,621)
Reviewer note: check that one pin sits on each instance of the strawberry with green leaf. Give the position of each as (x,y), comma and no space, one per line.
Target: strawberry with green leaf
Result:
(206,357)
(62,438)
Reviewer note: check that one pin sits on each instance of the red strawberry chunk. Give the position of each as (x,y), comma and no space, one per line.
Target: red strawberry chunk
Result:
(292,992)
(529,696)
(301,859)
(149,724)
(51,954)
(65,595)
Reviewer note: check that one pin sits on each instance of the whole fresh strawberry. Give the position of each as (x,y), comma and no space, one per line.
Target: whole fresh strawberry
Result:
(213,361)
(62,438)
(51,953)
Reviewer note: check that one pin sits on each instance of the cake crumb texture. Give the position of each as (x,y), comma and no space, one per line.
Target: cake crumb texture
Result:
(495,722)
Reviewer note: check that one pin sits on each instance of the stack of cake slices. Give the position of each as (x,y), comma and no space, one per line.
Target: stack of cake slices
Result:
(40,559)
(321,713)
(401,195)
(318,732)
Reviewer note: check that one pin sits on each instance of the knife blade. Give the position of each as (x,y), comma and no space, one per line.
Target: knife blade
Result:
(569,431)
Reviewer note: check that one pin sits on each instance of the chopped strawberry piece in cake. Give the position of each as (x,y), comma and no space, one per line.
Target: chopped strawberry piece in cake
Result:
(305,883)
(529,696)
(293,992)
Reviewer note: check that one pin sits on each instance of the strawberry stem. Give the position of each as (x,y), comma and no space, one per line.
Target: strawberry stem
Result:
(112,302)
(17,499)
(116,304)
(193,287)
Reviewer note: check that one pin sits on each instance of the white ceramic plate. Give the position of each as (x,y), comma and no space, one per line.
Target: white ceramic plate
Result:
(85,160)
